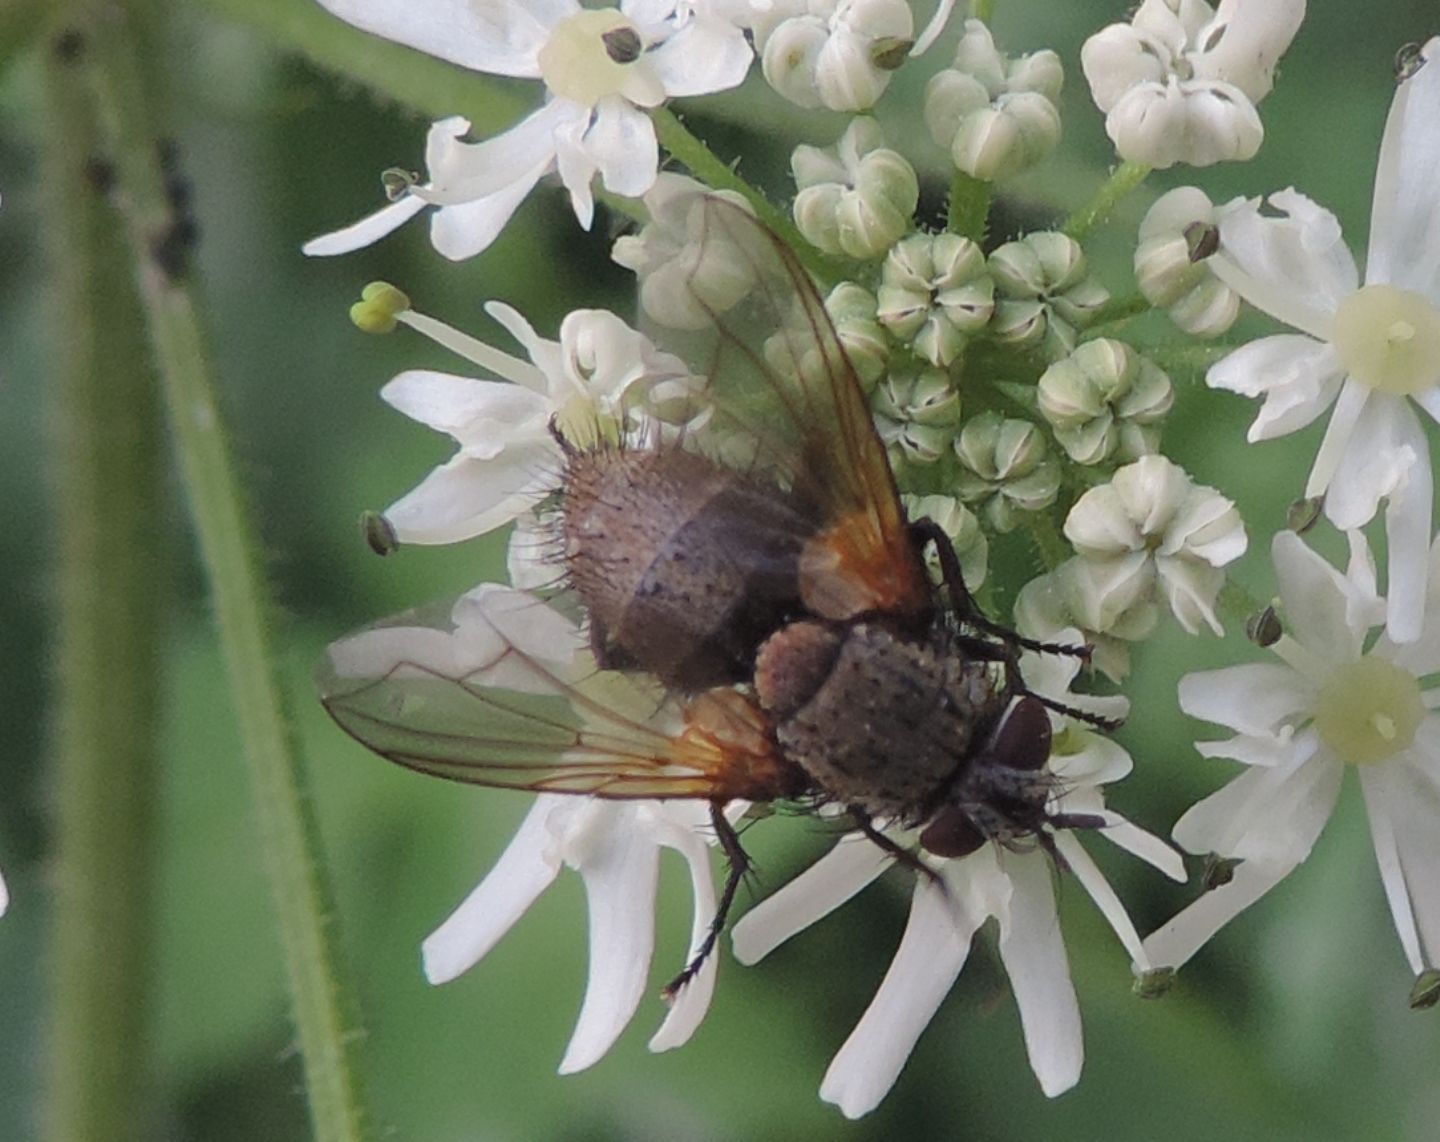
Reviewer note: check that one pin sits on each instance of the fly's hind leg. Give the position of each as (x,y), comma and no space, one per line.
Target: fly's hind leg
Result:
(740,867)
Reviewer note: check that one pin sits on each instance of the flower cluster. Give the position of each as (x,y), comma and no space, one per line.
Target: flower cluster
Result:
(1014,408)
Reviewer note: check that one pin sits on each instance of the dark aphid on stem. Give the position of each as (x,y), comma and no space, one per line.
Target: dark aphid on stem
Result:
(781,598)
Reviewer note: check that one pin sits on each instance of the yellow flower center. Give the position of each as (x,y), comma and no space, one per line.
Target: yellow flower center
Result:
(1369,711)
(1389,339)
(577,62)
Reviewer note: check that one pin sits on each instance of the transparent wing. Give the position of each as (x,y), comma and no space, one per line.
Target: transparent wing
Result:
(504,693)
(790,402)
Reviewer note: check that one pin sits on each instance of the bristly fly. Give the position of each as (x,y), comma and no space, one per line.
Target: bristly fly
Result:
(761,571)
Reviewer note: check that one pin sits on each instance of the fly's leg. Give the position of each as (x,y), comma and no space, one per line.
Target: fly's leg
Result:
(925,531)
(740,867)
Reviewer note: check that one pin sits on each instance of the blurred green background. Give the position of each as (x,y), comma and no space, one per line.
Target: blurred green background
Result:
(1292,1025)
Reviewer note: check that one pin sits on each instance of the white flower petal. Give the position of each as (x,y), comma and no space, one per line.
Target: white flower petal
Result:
(1408,517)
(848,867)
(931,954)
(1093,881)
(465,498)
(1253,698)
(501,37)
(1405,214)
(622,145)
(689,1007)
(1296,268)
(523,872)
(1269,817)
(1298,376)
(620,878)
(479,414)
(705,55)
(1144,844)
(1384,447)
(1250,41)
(1402,798)
(1173,943)
(1349,406)
(369,229)
(576,166)
(1033,951)
(1314,597)
(465,229)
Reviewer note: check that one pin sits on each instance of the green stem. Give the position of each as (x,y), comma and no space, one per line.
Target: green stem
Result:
(107,494)
(702,162)
(289,834)
(1123,179)
(1050,545)
(982,10)
(968,212)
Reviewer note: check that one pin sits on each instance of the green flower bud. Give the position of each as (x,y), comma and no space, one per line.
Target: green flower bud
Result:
(1007,469)
(1045,292)
(1105,400)
(933,293)
(856,198)
(852,309)
(916,415)
(995,116)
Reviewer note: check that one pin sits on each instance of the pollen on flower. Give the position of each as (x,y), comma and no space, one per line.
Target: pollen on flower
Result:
(1389,339)
(1369,711)
(577,61)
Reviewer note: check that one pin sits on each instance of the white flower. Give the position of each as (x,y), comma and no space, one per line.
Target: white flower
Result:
(614,845)
(602,70)
(1152,528)
(689,270)
(1331,699)
(600,370)
(1179,83)
(838,54)
(1015,887)
(1369,351)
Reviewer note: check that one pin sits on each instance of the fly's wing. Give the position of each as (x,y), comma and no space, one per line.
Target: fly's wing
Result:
(790,402)
(503,692)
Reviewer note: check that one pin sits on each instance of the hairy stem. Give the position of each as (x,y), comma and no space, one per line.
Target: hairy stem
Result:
(230,550)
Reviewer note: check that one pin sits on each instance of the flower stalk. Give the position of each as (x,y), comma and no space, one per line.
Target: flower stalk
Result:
(289,833)
(105,417)
(1123,179)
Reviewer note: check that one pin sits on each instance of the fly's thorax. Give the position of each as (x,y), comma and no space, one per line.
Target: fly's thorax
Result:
(683,565)
(878,719)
